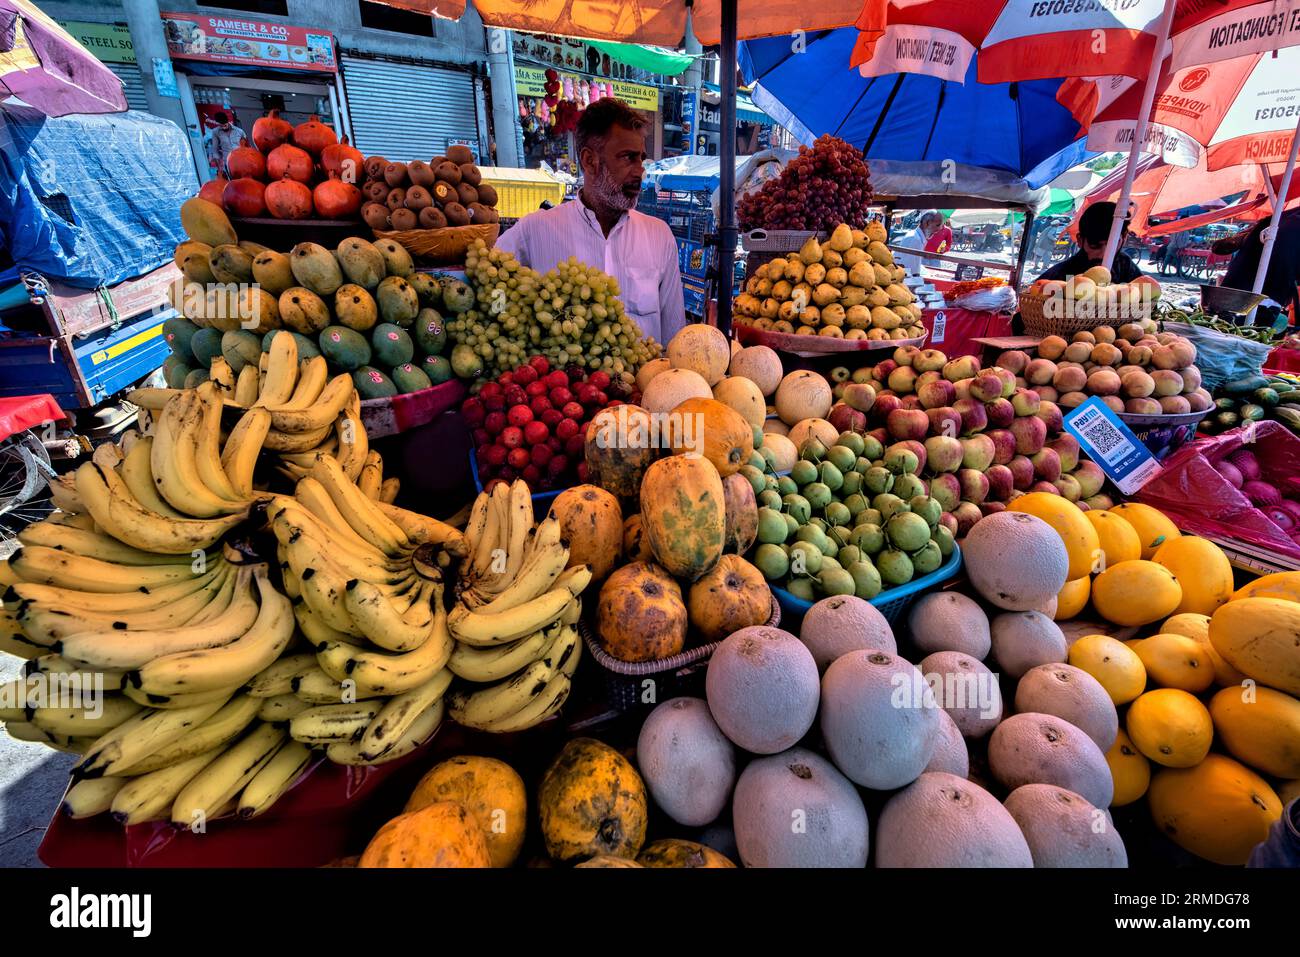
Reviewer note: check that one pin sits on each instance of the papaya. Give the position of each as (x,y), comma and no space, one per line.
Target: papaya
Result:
(672,852)
(592,801)
(1218,810)
(683,509)
(490,790)
(741,514)
(441,834)
(592,523)
(718,432)
(618,448)
(315,267)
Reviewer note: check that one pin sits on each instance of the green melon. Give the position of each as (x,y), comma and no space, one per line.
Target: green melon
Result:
(178,331)
(437,368)
(241,348)
(409,378)
(391,345)
(373,384)
(176,372)
(345,348)
(205,346)
(195,378)
(430,332)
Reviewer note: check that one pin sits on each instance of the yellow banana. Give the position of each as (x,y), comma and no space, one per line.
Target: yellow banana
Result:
(282,707)
(107,604)
(316,687)
(475,709)
(321,413)
(229,773)
(99,717)
(484,665)
(77,541)
(148,731)
(83,521)
(379,620)
(313,373)
(231,664)
(221,375)
(14,642)
(88,798)
(64,495)
(277,441)
(399,713)
(541,707)
(281,371)
(155,400)
(277,679)
(361,513)
(323,585)
(277,776)
(476,524)
(207,445)
(388,492)
(174,463)
(424,529)
(327,723)
(224,725)
(48,566)
(55,664)
(239,457)
(107,456)
(137,474)
(291,523)
(314,628)
(393,674)
(533,580)
(178,701)
(372,476)
(311,495)
(420,731)
(246,387)
(476,628)
(354,443)
(149,797)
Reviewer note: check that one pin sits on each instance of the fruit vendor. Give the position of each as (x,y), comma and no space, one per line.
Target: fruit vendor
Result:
(1094,230)
(927,227)
(602,228)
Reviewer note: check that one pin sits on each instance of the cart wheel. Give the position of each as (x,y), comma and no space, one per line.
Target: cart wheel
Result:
(24,492)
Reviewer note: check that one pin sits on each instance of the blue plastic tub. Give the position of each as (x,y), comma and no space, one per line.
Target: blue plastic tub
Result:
(892,603)
(541,501)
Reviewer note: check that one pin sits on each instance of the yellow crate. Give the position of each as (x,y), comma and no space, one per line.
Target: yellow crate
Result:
(522,191)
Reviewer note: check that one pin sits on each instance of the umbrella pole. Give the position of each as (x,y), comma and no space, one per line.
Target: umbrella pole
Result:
(1018,274)
(1139,135)
(1279,207)
(727,232)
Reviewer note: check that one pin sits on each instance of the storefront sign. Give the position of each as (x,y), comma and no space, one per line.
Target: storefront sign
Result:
(1112,445)
(109,42)
(567,53)
(253,43)
(530,81)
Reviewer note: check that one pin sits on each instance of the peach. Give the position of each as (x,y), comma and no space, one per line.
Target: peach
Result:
(1074,399)
(1103,382)
(1191,379)
(1137,384)
(1175,405)
(1104,333)
(1142,406)
(1113,402)
(1199,401)
(1013,360)
(1184,353)
(1105,354)
(1040,372)
(1052,347)
(1070,379)
(1047,393)
(1083,335)
(1167,382)
(1078,352)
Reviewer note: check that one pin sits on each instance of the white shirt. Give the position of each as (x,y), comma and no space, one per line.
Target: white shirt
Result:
(640,252)
(913,240)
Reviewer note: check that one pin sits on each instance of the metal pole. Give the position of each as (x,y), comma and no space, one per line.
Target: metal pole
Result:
(727,232)
(1279,206)
(1139,134)
(1017,274)
(505,102)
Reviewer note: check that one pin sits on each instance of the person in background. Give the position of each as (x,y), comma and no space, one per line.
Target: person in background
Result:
(927,226)
(1173,251)
(940,240)
(221,139)
(1283,266)
(1094,228)
(602,228)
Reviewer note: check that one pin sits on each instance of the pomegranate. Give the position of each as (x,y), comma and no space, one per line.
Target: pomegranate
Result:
(245,161)
(270,131)
(336,199)
(313,136)
(288,199)
(289,161)
(344,159)
(213,189)
(245,197)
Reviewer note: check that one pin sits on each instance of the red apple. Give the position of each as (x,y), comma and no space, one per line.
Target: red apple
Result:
(911,402)
(936,394)
(1001,413)
(944,421)
(1090,478)
(903,380)
(1030,433)
(967,515)
(949,521)
(1040,372)
(918,450)
(974,418)
(1004,445)
(908,424)
(943,453)
(1022,471)
(986,387)
(859,396)
(1025,402)
(1048,487)
(977,452)
(962,388)
(992,508)
(963,367)
(1050,413)
(1067,447)
(882,369)
(974,486)
(1068,486)
(885,404)
(906,355)
(1047,465)
(1008,379)
(1001,482)
(845,418)
(1014,361)
(946,490)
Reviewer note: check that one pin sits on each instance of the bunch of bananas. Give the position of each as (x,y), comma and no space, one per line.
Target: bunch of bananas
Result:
(515,625)
(282,406)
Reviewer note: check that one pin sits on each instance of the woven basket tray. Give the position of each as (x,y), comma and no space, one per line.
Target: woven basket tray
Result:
(1083,316)
(625,680)
(447,245)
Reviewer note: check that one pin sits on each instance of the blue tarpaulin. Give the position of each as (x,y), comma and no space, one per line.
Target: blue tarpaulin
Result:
(92,200)
(687,173)
(1018,128)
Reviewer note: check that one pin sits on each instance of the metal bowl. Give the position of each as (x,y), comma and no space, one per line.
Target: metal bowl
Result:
(1219,299)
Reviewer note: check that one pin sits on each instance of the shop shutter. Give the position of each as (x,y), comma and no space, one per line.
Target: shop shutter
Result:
(132,84)
(407,111)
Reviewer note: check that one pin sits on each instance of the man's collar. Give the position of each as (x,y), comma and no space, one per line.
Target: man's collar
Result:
(590,214)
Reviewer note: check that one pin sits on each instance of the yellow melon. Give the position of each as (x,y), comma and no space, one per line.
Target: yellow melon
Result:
(1202,570)
(1130,771)
(702,349)
(1198,627)
(1151,525)
(1073,598)
(1284,585)
(1260,637)
(1116,667)
(742,395)
(1119,541)
(1136,593)
(1170,727)
(1260,727)
(1082,543)
(803,394)
(649,371)
(1218,810)
(1176,661)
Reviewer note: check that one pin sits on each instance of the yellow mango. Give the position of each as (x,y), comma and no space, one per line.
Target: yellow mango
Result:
(1136,593)
(1218,810)
(1130,771)
(1176,661)
(1170,727)
(1202,570)
(1259,727)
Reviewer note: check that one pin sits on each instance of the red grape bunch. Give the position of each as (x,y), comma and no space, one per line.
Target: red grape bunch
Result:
(820,188)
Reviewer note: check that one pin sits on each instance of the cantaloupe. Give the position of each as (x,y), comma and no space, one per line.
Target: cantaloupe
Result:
(806,429)
(965,690)
(1136,593)
(1153,528)
(1260,727)
(949,621)
(1116,667)
(950,754)
(702,349)
(803,394)
(1129,770)
(1170,727)
(795,809)
(1016,560)
(1218,809)
(1197,627)
(1034,748)
(671,387)
(1026,639)
(839,624)
(1073,694)
(763,687)
(783,451)
(743,396)
(1064,830)
(862,689)
(1080,538)
(687,762)
(1203,572)
(774,426)
(649,371)
(760,365)
(941,820)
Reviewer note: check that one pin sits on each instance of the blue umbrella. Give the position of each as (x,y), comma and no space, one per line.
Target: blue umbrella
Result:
(809,88)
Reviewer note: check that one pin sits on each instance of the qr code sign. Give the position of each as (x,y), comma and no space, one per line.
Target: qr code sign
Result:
(1104,437)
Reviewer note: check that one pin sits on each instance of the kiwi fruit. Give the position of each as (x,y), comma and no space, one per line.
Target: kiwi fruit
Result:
(376,191)
(487,195)
(375,215)
(431,217)
(466,194)
(457,215)
(469,174)
(433,163)
(375,166)
(448,172)
(403,219)
(417,197)
(395,174)
(459,154)
(420,173)
(479,213)
(396,198)
(445,193)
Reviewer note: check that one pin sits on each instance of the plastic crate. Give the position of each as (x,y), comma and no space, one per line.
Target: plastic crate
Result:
(541,501)
(893,603)
(522,191)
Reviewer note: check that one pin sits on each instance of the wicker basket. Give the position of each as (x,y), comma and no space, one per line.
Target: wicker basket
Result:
(625,681)
(1076,316)
(446,245)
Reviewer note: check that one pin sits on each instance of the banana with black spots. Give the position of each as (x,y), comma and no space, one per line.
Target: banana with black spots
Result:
(208,792)
(226,724)
(399,713)
(277,777)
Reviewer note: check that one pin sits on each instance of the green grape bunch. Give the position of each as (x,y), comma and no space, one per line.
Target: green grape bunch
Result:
(572,315)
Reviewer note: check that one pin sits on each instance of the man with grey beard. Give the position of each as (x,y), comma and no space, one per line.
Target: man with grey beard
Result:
(602,227)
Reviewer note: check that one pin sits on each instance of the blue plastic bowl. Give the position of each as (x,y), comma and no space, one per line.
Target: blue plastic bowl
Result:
(892,603)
